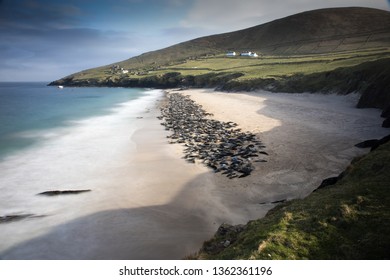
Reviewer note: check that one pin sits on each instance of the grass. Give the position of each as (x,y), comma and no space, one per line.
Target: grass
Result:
(264,67)
(276,66)
(350,220)
(364,71)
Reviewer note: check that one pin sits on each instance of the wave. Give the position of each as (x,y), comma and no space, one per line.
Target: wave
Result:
(92,153)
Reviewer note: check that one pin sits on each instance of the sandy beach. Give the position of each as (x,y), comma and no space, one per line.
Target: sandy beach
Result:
(166,207)
(309,137)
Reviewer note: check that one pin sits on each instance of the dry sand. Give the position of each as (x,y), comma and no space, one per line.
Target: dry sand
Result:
(168,207)
(309,137)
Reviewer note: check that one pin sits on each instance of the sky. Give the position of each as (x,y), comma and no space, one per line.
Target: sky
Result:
(44,40)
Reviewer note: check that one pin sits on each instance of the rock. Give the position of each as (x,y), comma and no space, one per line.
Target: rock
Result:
(217,144)
(328,182)
(381,142)
(386,112)
(14,218)
(367,144)
(386,122)
(53,193)
(274,202)
(373,143)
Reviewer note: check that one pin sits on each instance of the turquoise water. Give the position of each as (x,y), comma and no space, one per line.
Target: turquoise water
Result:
(66,139)
(29,110)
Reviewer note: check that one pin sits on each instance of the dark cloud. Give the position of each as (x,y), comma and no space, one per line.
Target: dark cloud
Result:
(48,39)
(58,49)
(45,38)
(32,14)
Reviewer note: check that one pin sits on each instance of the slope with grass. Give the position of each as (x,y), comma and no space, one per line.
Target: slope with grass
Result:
(326,50)
(349,220)
(307,40)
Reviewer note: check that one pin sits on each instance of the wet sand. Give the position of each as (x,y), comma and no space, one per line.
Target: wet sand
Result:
(161,207)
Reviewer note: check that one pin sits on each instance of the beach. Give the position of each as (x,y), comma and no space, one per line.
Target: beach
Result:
(156,205)
(309,137)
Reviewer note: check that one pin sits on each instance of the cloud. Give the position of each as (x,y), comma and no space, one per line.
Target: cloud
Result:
(230,15)
(48,39)
(32,14)
(49,52)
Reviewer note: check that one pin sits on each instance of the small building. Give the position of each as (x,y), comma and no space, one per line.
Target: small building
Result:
(231,54)
(125,71)
(251,54)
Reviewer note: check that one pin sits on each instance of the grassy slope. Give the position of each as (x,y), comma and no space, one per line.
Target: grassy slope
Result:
(277,67)
(325,31)
(350,220)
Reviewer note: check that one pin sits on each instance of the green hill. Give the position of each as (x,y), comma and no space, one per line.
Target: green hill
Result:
(346,31)
(329,50)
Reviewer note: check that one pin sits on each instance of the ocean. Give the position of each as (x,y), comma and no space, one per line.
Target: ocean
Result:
(32,113)
(62,139)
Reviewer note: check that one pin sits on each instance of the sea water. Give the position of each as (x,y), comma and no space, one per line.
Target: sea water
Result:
(33,112)
(62,139)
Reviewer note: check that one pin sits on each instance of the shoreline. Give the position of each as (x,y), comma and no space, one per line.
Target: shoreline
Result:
(308,137)
(169,207)
(144,208)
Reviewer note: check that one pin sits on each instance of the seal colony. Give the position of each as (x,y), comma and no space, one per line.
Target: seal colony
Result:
(219,145)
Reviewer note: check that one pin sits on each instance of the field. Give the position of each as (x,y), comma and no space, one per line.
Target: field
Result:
(262,67)
(273,66)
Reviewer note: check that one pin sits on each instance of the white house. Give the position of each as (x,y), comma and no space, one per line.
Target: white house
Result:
(251,54)
(231,54)
(125,71)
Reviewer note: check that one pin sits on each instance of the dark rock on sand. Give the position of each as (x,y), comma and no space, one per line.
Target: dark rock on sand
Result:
(53,193)
(328,182)
(373,143)
(15,218)
(274,202)
(386,122)
(367,144)
(380,142)
(219,145)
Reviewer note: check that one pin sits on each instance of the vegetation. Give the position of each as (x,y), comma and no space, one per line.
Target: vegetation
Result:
(349,220)
(364,71)
(330,50)
(305,43)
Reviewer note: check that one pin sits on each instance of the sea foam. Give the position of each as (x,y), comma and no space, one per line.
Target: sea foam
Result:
(91,153)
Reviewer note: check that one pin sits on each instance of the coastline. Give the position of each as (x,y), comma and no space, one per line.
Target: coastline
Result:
(150,205)
(309,137)
(167,207)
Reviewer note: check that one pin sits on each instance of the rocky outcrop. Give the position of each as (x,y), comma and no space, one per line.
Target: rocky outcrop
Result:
(373,143)
(167,80)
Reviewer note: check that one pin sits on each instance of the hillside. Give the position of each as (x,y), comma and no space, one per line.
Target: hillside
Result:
(309,33)
(348,220)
